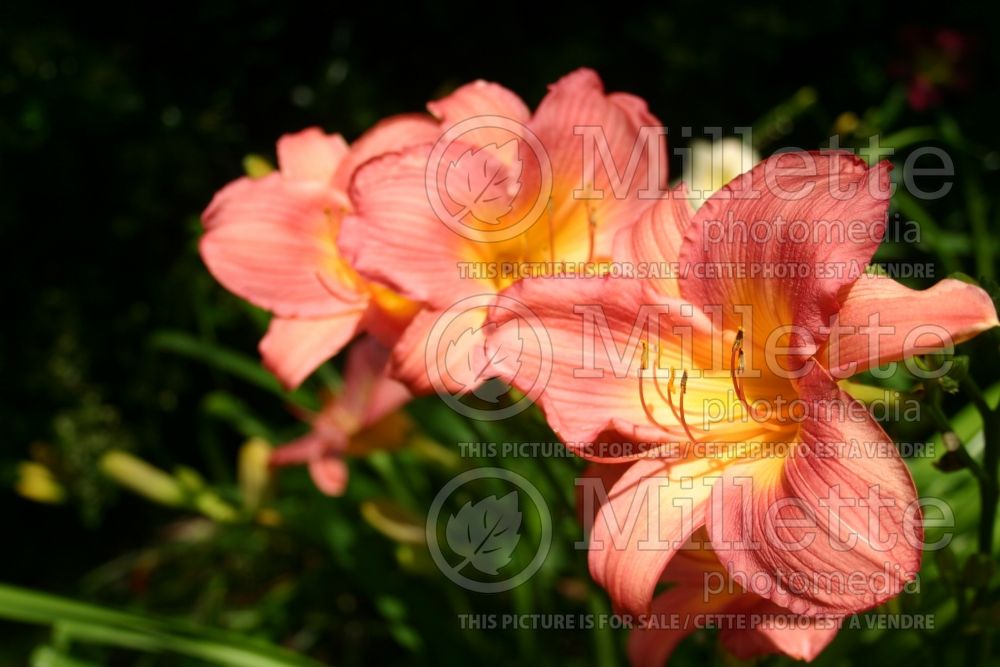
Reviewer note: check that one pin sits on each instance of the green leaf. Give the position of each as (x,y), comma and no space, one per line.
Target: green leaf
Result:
(228,361)
(78,621)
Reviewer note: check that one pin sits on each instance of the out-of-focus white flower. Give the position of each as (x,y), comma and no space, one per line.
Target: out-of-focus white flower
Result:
(712,164)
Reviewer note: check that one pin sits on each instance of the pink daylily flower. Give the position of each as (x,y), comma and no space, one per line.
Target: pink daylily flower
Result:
(272,241)
(700,595)
(726,439)
(749,625)
(362,416)
(395,237)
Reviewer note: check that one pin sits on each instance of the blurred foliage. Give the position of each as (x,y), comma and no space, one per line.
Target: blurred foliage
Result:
(117,126)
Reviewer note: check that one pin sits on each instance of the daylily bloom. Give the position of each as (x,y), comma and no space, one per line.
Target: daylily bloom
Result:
(272,241)
(727,375)
(511,169)
(363,416)
(699,595)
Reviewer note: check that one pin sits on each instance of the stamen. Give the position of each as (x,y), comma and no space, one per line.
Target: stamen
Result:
(736,368)
(644,365)
(684,382)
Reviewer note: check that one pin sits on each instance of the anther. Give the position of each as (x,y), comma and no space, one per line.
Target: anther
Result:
(684,382)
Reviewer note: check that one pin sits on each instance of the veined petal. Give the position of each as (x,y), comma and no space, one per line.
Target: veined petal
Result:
(456,353)
(831,528)
(389,135)
(311,155)
(882,321)
(648,515)
(394,237)
(293,348)
(270,241)
(773,629)
(596,327)
(784,238)
(655,239)
(577,103)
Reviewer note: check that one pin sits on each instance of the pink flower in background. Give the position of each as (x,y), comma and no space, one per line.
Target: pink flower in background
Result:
(272,241)
(396,237)
(742,442)
(933,63)
(363,416)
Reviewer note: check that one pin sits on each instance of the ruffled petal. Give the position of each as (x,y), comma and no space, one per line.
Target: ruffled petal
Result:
(654,241)
(784,238)
(833,527)
(772,629)
(479,98)
(577,102)
(395,238)
(389,135)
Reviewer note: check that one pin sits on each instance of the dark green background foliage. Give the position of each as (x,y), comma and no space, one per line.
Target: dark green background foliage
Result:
(117,126)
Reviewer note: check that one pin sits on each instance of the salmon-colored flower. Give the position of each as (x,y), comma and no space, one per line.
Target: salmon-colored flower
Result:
(699,595)
(361,417)
(725,378)
(513,166)
(272,241)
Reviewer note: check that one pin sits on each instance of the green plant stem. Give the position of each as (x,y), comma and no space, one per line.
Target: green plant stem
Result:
(989,487)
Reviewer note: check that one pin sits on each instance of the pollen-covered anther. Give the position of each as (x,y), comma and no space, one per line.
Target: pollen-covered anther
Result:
(680,407)
(736,368)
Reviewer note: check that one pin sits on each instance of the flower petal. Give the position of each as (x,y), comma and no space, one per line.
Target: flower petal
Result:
(329,473)
(833,527)
(772,629)
(576,102)
(311,155)
(270,242)
(479,98)
(594,383)
(655,240)
(293,348)
(882,321)
(650,512)
(688,604)
(389,135)
(369,393)
(762,241)
(456,352)
(395,238)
